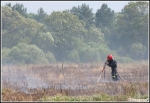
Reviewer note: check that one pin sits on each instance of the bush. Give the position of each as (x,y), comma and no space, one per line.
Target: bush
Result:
(5,57)
(50,56)
(137,51)
(73,56)
(27,54)
(89,54)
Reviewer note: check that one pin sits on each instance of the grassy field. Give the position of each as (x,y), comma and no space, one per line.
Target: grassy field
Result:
(74,82)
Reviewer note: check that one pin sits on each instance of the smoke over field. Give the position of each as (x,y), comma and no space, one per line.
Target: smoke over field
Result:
(72,80)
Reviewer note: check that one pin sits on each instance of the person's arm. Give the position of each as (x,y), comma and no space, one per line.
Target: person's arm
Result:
(108,64)
(104,66)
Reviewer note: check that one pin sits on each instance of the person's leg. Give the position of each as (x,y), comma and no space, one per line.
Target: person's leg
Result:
(113,74)
(116,75)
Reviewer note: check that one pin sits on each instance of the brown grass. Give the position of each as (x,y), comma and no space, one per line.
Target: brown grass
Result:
(73,80)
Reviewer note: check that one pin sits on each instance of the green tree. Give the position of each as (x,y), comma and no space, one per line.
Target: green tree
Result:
(44,40)
(94,34)
(40,16)
(105,20)
(50,56)
(5,57)
(137,51)
(84,13)
(64,26)
(16,29)
(111,36)
(104,16)
(73,56)
(89,54)
(27,54)
(8,4)
(31,15)
(132,27)
(20,8)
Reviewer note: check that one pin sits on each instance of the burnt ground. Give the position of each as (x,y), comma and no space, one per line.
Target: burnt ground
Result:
(70,79)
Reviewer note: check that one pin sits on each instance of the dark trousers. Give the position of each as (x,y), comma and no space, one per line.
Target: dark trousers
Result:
(114,74)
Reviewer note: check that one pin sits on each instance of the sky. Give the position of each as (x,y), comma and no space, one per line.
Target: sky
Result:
(50,6)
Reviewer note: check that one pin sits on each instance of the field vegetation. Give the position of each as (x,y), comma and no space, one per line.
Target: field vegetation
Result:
(74,82)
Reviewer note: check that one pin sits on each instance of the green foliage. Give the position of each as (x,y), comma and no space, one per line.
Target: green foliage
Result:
(17,29)
(27,54)
(50,56)
(132,27)
(31,15)
(8,4)
(78,35)
(64,27)
(40,16)
(95,97)
(5,52)
(105,20)
(102,97)
(73,56)
(95,35)
(44,40)
(84,13)
(65,24)
(20,8)
(104,16)
(77,43)
(137,51)
(89,54)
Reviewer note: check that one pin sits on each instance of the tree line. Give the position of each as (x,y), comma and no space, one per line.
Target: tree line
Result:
(74,35)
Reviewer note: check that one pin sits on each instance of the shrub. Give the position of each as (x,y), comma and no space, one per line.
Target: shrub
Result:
(50,56)
(27,54)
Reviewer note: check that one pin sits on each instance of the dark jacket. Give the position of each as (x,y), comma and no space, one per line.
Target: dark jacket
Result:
(112,63)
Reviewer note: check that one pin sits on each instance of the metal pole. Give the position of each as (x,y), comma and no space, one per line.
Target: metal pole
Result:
(120,77)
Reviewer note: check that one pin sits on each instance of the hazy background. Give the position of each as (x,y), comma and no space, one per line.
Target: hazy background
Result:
(87,33)
(49,6)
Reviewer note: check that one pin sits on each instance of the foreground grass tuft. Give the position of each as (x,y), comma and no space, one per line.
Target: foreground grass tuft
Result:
(96,97)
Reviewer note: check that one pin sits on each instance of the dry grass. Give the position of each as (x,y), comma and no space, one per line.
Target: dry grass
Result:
(73,80)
